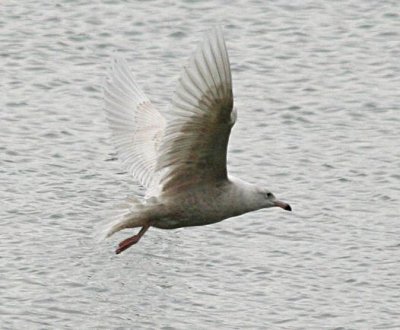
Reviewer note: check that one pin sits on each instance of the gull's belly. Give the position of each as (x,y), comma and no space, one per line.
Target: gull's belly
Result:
(186,215)
(179,222)
(195,209)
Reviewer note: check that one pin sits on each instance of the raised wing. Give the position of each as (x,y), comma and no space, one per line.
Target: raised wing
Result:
(195,142)
(136,126)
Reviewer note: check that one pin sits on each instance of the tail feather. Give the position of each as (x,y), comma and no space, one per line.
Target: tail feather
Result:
(129,216)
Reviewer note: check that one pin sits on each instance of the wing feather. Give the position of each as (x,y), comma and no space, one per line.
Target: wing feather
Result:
(195,142)
(136,126)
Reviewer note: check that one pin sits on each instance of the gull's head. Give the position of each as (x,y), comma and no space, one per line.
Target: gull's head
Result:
(270,200)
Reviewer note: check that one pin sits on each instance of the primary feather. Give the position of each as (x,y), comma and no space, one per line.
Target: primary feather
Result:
(136,126)
(195,143)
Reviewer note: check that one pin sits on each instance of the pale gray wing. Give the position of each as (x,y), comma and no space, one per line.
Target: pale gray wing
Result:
(195,143)
(136,126)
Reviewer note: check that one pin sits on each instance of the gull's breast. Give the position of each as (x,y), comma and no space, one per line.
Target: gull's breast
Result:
(200,206)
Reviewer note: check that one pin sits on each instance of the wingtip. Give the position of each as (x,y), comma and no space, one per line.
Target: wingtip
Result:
(117,60)
(216,30)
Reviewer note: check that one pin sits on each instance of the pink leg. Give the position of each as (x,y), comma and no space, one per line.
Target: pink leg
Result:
(131,240)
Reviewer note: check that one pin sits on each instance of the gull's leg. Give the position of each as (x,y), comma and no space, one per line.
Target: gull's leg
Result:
(131,240)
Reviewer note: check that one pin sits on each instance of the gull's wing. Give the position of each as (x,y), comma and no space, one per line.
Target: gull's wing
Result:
(136,126)
(194,147)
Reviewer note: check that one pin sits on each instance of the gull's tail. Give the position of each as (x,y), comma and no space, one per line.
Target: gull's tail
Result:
(128,215)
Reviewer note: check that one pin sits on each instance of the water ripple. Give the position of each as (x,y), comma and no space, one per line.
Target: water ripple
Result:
(317,88)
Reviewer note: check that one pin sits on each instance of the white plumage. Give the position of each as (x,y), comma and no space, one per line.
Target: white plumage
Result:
(182,164)
(137,127)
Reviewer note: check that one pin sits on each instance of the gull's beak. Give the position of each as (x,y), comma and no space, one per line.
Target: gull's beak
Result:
(283,205)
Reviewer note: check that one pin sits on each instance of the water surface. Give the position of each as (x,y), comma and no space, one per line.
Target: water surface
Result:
(317,87)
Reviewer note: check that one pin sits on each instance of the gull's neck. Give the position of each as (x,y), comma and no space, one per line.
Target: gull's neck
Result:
(245,196)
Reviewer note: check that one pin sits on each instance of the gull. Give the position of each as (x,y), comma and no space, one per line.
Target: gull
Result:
(182,163)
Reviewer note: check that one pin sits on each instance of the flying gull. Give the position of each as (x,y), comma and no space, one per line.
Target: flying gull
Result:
(182,163)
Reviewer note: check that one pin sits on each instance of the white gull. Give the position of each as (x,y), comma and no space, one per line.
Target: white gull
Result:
(182,164)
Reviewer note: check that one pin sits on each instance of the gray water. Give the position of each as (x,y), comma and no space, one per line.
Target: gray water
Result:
(317,89)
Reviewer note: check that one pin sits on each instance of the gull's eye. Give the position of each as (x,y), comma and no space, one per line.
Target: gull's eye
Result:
(269,195)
